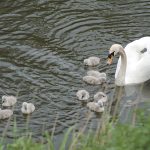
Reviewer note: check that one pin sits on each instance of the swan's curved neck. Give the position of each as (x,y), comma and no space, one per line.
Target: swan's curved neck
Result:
(120,79)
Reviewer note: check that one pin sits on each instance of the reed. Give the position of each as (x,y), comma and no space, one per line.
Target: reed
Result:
(109,135)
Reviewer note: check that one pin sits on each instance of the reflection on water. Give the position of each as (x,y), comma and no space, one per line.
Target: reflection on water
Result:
(42,48)
(128,99)
(141,90)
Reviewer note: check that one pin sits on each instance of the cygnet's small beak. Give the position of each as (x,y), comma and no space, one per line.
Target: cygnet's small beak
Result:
(110,58)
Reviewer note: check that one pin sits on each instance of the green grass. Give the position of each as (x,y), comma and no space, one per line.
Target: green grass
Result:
(25,143)
(107,137)
(120,137)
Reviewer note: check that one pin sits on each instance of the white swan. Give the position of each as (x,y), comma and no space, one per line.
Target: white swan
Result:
(92,61)
(27,108)
(94,80)
(8,100)
(83,95)
(6,113)
(96,106)
(100,96)
(96,74)
(134,64)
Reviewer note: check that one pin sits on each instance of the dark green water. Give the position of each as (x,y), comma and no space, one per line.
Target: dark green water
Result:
(42,47)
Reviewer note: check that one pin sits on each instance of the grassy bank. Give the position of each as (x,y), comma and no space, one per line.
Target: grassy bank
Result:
(107,137)
(120,137)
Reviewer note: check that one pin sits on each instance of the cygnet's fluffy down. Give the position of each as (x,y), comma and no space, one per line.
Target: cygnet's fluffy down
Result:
(96,106)
(83,95)
(94,80)
(96,74)
(92,61)
(8,100)
(6,113)
(100,96)
(27,108)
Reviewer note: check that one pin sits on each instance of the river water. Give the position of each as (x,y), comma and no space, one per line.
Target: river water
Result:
(42,47)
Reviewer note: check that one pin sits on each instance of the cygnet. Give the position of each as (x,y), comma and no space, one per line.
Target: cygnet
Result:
(100,96)
(6,113)
(96,106)
(92,61)
(27,108)
(8,100)
(94,80)
(83,95)
(96,74)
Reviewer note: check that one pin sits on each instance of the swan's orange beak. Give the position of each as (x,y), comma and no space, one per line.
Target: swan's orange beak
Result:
(109,61)
(110,58)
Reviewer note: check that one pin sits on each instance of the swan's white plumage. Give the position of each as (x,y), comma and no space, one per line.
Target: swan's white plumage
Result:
(94,80)
(82,95)
(96,106)
(92,61)
(138,62)
(100,96)
(27,108)
(6,113)
(8,100)
(96,74)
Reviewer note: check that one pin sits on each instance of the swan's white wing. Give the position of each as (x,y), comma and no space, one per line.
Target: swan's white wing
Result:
(132,57)
(140,71)
(138,63)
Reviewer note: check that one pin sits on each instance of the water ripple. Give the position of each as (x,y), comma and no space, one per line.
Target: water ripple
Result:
(42,48)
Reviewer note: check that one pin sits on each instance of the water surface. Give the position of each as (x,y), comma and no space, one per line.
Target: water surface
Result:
(42,47)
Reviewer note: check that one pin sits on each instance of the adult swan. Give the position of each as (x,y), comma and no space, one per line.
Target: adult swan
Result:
(134,63)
